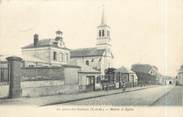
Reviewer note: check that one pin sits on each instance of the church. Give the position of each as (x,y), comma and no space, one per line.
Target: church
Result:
(83,68)
(53,52)
(99,57)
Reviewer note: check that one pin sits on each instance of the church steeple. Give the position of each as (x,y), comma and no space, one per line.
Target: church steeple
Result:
(103,19)
(103,33)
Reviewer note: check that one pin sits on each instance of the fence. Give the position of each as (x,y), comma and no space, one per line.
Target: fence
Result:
(4,75)
(3,72)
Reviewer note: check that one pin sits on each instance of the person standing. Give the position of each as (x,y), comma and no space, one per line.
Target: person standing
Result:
(124,86)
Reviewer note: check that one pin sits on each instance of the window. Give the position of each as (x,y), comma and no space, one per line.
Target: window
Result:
(102,32)
(90,80)
(99,33)
(61,57)
(92,60)
(87,62)
(118,76)
(67,57)
(152,72)
(98,79)
(100,60)
(108,33)
(31,65)
(54,56)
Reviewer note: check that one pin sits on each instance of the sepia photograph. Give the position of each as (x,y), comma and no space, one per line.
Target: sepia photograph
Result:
(91,55)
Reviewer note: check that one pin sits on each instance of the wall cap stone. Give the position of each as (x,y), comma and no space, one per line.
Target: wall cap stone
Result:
(71,66)
(14,58)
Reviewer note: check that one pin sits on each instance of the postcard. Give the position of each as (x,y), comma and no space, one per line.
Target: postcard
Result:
(91,57)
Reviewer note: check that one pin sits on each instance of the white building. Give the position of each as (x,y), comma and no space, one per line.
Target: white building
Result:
(49,51)
(99,57)
(179,80)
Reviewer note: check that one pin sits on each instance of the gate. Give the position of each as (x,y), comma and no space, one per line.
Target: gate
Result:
(4,80)
(10,75)
(4,75)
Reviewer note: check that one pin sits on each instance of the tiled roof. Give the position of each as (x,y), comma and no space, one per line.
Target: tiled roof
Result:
(143,68)
(44,43)
(86,52)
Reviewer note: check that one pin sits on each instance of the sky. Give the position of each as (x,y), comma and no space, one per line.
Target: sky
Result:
(143,31)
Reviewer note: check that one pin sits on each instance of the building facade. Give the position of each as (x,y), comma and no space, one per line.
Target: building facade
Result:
(99,57)
(115,78)
(49,51)
(179,77)
(89,79)
(122,74)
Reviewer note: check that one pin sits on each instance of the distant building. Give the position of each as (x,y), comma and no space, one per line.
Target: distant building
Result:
(123,74)
(167,80)
(114,78)
(162,80)
(109,80)
(99,57)
(50,51)
(147,74)
(179,77)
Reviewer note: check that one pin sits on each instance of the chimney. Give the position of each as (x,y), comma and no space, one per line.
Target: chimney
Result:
(36,39)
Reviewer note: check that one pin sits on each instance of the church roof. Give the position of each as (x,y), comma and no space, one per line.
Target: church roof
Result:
(44,43)
(87,52)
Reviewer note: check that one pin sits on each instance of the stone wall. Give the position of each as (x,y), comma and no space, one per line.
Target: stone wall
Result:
(43,81)
(43,88)
(49,90)
(32,84)
(42,73)
(71,74)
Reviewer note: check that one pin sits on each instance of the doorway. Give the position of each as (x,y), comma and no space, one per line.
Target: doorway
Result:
(91,83)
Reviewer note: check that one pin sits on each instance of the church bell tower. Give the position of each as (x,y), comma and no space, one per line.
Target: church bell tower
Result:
(103,34)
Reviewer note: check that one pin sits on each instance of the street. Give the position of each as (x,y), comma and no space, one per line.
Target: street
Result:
(173,98)
(143,97)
